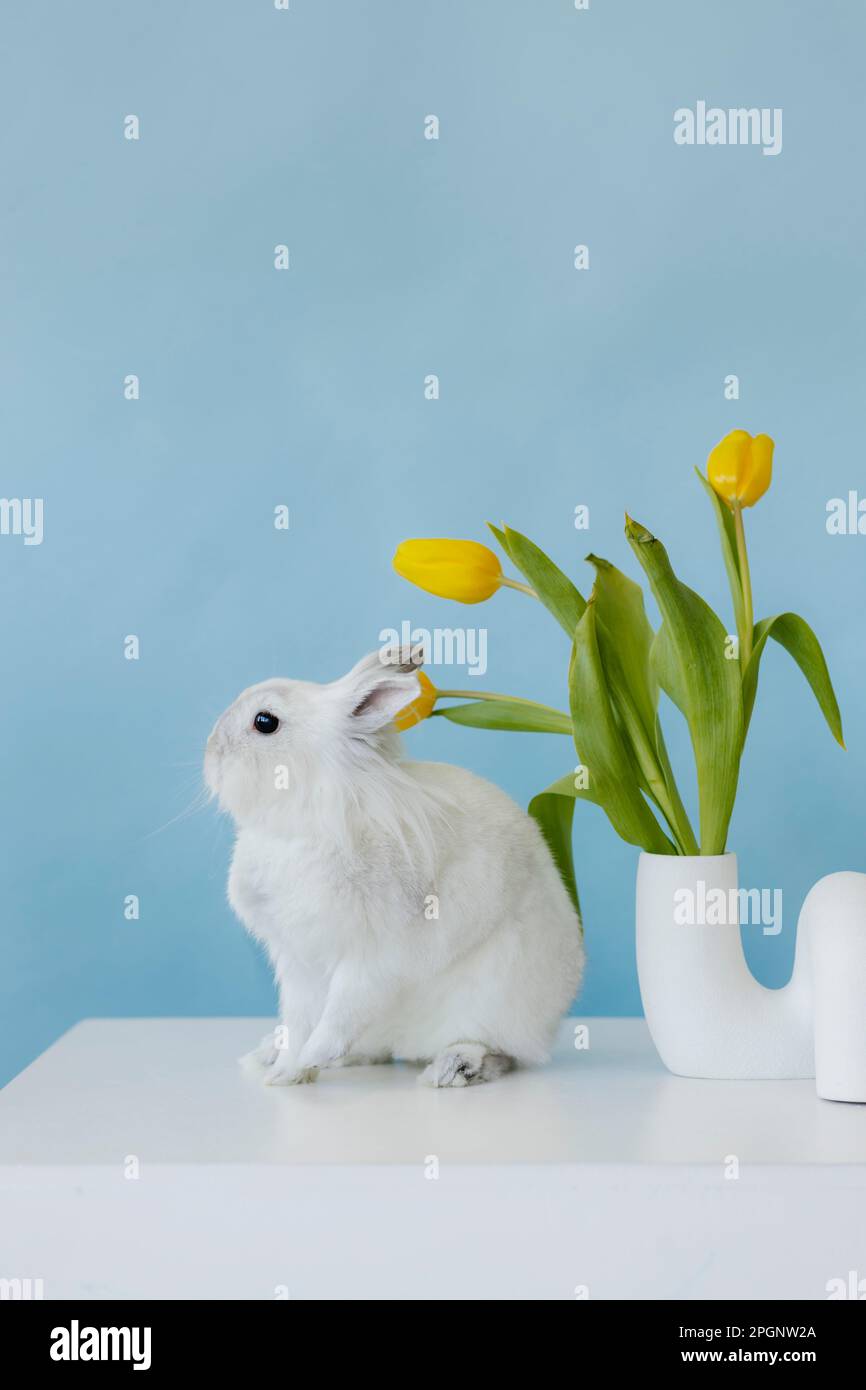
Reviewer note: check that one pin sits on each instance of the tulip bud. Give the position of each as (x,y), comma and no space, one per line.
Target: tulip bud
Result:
(420,708)
(463,570)
(740,467)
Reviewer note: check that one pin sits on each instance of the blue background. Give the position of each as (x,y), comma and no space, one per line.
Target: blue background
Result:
(305,387)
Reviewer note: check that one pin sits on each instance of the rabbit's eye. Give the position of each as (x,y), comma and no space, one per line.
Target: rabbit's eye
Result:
(265,722)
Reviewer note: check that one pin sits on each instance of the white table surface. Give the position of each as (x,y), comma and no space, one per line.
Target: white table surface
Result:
(599,1172)
(170,1091)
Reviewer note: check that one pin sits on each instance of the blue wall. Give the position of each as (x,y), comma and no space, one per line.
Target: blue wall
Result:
(408,257)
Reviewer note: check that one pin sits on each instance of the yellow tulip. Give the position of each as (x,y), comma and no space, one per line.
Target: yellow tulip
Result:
(740,467)
(463,570)
(420,708)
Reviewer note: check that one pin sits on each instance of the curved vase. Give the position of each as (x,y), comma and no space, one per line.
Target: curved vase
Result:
(706,1012)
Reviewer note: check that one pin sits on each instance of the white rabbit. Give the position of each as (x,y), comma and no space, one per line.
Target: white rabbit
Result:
(410,910)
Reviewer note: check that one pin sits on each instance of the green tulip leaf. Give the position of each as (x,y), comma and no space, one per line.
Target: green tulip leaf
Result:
(553,811)
(677,816)
(519,716)
(795,635)
(554,588)
(625,640)
(501,537)
(604,754)
(692,668)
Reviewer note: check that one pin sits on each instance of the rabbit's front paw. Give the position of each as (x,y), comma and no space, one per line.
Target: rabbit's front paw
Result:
(286,1072)
(323,1049)
(262,1056)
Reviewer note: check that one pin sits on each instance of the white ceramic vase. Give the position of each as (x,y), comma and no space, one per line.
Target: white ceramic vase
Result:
(708,1015)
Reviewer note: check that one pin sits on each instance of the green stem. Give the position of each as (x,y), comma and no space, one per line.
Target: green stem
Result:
(493,695)
(516,584)
(659,793)
(664,791)
(746,580)
(677,818)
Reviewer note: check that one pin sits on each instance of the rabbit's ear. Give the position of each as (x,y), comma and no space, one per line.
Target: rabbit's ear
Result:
(380,686)
(395,660)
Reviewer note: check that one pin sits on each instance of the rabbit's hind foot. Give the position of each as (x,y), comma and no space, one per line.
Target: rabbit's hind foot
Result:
(465,1064)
